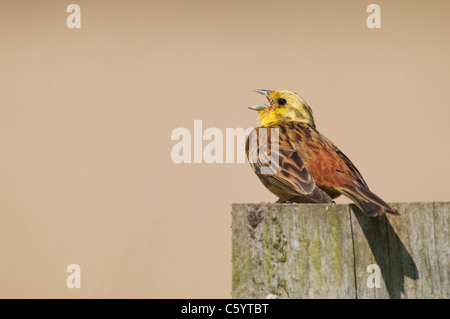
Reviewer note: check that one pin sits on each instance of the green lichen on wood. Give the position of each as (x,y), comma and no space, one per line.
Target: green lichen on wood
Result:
(267,255)
(302,252)
(316,261)
(243,271)
(337,240)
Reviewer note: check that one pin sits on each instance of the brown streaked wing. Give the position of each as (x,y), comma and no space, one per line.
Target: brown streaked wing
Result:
(347,161)
(292,176)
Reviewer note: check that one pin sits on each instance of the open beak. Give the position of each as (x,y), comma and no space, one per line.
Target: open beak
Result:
(260,107)
(263,92)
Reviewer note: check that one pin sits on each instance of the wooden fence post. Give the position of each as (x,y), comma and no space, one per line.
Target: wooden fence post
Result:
(334,251)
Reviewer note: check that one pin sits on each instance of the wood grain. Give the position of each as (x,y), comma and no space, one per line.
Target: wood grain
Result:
(323,251)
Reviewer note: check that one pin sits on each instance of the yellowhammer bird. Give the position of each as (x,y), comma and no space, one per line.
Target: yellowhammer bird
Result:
(311,169)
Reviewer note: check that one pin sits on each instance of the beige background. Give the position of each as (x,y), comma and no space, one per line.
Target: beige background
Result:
(86,116)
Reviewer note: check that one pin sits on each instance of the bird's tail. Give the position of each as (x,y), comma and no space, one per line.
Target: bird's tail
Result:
(368,202)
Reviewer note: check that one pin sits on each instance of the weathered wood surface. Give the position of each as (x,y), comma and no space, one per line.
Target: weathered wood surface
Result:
(323,251)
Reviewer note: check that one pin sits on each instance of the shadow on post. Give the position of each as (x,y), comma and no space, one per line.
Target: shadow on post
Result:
(390,254)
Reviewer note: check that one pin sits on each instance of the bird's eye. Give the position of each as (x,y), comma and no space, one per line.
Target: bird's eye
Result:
(281,102)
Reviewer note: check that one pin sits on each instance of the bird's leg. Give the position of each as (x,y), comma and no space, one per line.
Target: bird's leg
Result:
(281,200)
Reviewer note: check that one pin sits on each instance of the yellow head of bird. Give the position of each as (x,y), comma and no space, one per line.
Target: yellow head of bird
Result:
(284,106)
